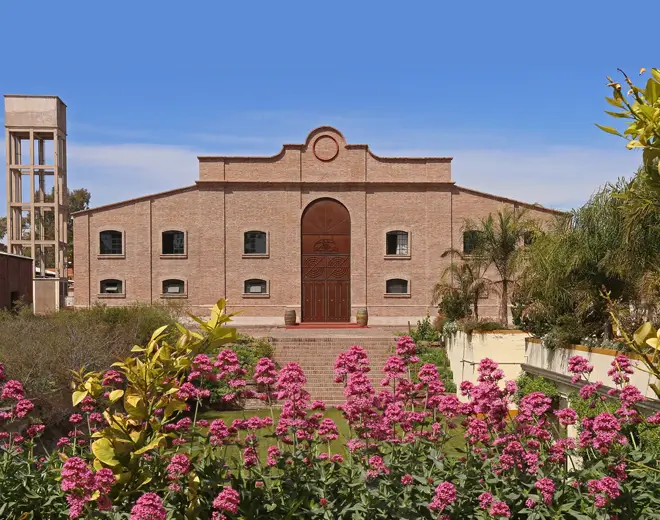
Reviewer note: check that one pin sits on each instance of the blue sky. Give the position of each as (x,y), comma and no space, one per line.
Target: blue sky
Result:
(510,89)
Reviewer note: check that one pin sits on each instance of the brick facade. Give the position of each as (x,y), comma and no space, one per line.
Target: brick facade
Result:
(238,194)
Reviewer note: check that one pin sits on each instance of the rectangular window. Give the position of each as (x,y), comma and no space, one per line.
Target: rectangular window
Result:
(397,243)
(470,241)
(254,243)
(174,243)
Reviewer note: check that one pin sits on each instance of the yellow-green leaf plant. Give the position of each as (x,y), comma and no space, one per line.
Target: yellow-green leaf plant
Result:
(137,415)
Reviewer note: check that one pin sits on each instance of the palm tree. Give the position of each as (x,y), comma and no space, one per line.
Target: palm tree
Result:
(499,240)
(465,279)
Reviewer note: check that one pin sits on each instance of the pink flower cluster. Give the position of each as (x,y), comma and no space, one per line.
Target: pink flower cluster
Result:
(178,468)
(149,507)
(445,495)
(80,483)
(578,365)
(228,500)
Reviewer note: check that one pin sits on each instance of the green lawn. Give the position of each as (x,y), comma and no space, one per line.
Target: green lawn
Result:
(456,441)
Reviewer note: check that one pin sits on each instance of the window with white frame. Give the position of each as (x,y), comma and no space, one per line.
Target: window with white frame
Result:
(396,243)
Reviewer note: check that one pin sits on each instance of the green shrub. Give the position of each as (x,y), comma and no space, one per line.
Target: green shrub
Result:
(41,351)
(425,331)
(469,326)
(528,383)
(568,330)
(454,306)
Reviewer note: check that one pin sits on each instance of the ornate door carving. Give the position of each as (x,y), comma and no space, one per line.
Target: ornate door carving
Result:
(326,262)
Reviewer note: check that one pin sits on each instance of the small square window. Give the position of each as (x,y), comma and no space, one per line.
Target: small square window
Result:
(471,241)
(396,243)
(254,243)
(111,243)
(174,243)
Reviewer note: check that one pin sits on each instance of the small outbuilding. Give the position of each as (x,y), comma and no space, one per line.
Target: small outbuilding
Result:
(15,280)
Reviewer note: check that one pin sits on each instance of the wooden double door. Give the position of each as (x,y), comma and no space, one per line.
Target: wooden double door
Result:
(326,262)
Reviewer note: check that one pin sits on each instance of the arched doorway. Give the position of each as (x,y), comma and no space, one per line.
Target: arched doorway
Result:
(326,262)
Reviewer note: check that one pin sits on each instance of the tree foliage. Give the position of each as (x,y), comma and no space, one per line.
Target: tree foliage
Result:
(499,244)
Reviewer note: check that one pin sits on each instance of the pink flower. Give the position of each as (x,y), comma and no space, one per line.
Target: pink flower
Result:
(12,390)
(588,391)
(104,479)
(547,488)
(112,378)
(578,365)
(265,372)
(250,457)
(603,490)
(273,455)
(323,502)
(328,430)
(405,347)
(394,368)
(227,500)
(485,500)
(499,509)
(377,467)
(178,467)
(352,361)
(337,458)
(219,432)
(407,480)
(2,372)
(35,429)
(148,507)
(23,407)
(186,391)
(567,416)
(620,370)
(445,495)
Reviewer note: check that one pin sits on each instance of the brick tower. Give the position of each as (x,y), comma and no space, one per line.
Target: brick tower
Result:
(37,215)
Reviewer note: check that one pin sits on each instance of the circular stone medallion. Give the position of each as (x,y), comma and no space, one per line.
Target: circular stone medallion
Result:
(326,148)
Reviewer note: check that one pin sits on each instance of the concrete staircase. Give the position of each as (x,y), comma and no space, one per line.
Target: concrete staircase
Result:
(317,355)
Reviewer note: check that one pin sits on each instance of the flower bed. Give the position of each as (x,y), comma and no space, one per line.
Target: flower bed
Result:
(139,448)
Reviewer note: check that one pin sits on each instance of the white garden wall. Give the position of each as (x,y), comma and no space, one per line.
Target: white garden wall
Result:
(556,361)
(506,347)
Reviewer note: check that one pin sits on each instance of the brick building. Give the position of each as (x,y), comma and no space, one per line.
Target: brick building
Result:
(15,280)
(325,228)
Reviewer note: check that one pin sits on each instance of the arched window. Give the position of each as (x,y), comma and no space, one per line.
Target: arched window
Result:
(396,243)
(255,286)
(254,243)
(111,243)
(174,243)
(471,240)
(396,286)
(174,287)
(112,286)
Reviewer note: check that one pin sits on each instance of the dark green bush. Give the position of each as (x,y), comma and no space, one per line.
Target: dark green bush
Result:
(470,326)
(453,306)
(425,331)
(528,383)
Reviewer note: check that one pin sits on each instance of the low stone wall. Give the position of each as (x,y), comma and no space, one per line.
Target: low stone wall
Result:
(506,347)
